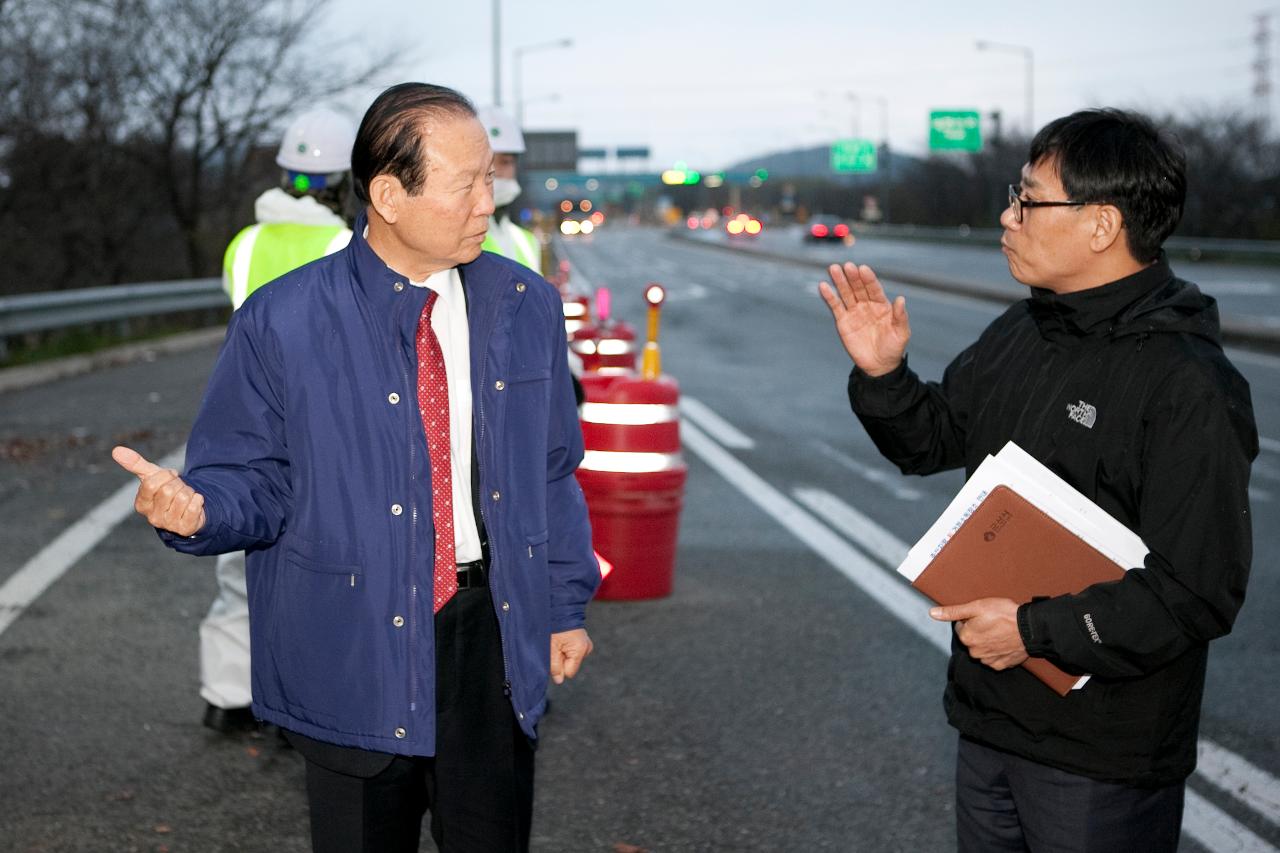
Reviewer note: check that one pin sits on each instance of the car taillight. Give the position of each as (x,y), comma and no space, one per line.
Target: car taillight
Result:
(692,222)
(753,226)
(842,230)
(818,230)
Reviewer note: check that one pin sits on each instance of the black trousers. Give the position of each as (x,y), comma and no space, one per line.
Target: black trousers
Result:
(1008,803)
(479,785)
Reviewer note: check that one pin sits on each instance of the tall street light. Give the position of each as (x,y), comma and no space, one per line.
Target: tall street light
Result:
(1026,53)
(497,53)
(519,53)
(855,115)
(886,157)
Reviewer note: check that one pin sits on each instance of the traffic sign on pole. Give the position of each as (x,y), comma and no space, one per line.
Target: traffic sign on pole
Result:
(955,130)
(853,155)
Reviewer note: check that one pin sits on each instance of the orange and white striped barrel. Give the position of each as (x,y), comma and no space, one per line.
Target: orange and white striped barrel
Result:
(633,477)
(607,348)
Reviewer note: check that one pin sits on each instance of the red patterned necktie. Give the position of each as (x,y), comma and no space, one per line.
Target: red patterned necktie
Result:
(433,403)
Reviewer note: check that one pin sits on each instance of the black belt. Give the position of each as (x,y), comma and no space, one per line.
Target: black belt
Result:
(472,575)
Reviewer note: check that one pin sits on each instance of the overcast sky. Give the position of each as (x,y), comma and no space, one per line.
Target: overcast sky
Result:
(712,83)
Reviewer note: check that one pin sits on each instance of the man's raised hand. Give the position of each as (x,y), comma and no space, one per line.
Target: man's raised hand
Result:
(163,499)
(873,330)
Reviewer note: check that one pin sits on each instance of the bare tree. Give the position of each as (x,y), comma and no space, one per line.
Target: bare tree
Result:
(128,125)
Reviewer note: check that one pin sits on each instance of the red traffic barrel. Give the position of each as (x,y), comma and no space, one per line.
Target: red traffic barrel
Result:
(577,312)
(633,476)
(608,348)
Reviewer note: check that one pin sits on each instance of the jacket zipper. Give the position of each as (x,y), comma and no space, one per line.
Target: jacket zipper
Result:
(412,618)
(484,515)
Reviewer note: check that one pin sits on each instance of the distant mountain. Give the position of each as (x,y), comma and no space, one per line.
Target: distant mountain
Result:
(815,162)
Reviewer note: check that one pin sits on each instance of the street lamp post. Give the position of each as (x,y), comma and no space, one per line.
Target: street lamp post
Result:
(855,115)
(1030,58)
(886,165)
(497,53)
(518,54)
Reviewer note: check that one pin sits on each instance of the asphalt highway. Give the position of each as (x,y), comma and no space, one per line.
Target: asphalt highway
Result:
(785,697)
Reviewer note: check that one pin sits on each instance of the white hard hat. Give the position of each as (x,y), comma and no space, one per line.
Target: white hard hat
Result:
(318,142)
(504,134)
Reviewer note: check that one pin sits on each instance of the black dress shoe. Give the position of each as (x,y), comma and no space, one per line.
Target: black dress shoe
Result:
(230,720)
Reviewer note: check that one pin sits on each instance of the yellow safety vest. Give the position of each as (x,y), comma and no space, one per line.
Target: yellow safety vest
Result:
(266,251)
(526,249)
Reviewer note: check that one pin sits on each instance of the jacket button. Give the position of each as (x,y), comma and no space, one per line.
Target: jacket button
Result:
(505,606)
(519,287)
(496,495)
(397,287)
(393,398)
(400,733)
(398,621)
(499,385)
(396,509)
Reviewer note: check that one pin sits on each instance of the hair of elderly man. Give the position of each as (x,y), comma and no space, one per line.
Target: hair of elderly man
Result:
(389,141)
(1119,157)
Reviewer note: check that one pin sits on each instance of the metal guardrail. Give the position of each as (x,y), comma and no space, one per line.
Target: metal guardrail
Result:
(1193,247)
(38,312)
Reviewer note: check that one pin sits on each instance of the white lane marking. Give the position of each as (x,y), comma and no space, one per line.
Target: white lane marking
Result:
(1203,821)
(1269,444)
(894,288)
(890,482)
(662,265)
(690,292)
(29,582)
(882,544)
(1249,784)
(898,598)
(1246,288)
(1261,470)
(1218,831)
(723,431)
(1259,358)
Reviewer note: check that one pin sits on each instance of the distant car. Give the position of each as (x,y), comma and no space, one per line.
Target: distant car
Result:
(705,220)
(743,225)
(827,228)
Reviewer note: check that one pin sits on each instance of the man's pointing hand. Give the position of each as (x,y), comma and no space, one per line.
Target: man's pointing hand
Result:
(163,498)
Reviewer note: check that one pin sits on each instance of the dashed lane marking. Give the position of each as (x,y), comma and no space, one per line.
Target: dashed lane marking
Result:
(723,431)
(1203,821)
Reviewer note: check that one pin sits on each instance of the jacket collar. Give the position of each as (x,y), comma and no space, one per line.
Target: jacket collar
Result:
(1086,312)
(484,283)
(379,283)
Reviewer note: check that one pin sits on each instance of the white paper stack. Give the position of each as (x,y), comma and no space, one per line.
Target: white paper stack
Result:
(1020,471)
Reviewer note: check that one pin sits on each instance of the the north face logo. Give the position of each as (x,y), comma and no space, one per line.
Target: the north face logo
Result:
(1082,413)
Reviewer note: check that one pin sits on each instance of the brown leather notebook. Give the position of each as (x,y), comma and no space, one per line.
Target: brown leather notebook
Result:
(1009,548)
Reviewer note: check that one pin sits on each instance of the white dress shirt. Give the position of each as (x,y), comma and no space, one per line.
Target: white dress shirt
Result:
(449,322)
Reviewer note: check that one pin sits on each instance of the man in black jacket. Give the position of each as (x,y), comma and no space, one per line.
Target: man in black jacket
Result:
(1112,374)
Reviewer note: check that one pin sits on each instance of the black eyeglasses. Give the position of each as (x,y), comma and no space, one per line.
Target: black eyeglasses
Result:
(1018,203)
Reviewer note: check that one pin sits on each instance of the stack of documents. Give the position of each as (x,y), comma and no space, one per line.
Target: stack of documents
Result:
(1017,530)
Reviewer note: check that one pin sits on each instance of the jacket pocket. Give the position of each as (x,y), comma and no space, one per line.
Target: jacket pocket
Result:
(531,374)
(323,640)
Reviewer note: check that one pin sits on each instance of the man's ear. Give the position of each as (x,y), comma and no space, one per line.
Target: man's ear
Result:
(1108,227)
(386,196)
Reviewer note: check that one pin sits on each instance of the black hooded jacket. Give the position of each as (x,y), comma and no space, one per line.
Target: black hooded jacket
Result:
(1123,391)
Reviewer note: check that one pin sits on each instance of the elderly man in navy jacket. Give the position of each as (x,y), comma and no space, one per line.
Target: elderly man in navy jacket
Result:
(390,433)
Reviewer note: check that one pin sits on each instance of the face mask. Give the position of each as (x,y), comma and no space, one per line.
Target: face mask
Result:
(505,191)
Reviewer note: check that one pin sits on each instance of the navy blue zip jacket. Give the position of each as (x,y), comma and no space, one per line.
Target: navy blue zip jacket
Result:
(310,453)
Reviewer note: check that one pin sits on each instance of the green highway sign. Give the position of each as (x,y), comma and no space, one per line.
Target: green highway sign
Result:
(853,155)
(955,130)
